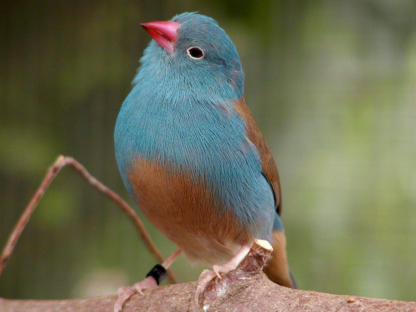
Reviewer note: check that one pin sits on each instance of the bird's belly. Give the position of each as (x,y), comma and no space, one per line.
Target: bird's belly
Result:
(185,211)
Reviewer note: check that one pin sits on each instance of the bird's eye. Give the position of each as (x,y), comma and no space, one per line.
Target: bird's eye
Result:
(195,53)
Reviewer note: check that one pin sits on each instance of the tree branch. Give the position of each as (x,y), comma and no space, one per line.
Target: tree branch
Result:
(245,289)
(51,174)
(256,295)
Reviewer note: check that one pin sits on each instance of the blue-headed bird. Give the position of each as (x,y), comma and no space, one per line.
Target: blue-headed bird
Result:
(190,153)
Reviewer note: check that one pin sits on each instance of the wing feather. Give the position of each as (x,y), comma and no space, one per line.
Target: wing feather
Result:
(268,165)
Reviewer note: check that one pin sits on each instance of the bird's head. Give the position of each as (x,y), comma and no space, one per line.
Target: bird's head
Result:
(194,49)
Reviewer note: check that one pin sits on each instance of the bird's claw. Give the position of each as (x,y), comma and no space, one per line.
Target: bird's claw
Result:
(218,270)
(124,293)
(207,277)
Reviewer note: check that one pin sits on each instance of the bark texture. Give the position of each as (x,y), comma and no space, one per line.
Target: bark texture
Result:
(255,294)
(245,289)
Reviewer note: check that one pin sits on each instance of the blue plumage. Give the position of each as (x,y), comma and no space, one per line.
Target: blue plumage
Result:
(180,112)
(185,120)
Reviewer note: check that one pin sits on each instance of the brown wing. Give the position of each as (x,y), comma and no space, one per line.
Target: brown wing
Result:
(267,162)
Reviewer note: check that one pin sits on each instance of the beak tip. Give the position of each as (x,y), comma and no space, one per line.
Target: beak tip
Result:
(163,32)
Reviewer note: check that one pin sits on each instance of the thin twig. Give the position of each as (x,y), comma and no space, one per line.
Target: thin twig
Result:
(53,171)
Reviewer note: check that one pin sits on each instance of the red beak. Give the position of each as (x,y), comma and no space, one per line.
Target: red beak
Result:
(164,33)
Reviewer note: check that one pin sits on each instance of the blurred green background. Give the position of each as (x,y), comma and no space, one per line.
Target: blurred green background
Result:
(332,85)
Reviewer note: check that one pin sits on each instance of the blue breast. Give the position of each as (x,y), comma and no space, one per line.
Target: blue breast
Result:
(187,125)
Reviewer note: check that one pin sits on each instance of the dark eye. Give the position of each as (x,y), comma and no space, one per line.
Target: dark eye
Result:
(195,53)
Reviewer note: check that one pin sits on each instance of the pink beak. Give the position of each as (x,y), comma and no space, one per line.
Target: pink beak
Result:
(164,33)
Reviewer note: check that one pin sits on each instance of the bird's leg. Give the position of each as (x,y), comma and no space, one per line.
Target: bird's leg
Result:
(233,263)
(152,280)
(207,275)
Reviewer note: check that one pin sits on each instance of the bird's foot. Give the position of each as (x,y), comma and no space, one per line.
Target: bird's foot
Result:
(208,279)
(208,276)
(124,293)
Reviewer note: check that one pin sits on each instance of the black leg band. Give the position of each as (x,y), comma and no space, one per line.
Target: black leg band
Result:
(158,272)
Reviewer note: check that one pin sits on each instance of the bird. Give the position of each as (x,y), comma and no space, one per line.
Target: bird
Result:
(191,154)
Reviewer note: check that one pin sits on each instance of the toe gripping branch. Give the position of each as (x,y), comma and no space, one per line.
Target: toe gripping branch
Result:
(158,272)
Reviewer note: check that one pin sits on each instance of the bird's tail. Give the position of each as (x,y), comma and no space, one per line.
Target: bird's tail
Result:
(277,269)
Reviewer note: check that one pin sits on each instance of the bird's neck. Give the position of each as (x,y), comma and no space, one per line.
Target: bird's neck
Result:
(169,85)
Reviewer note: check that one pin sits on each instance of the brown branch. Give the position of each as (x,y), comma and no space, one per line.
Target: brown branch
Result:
(53,171)
(245,289)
